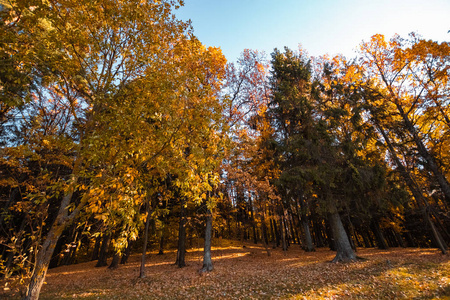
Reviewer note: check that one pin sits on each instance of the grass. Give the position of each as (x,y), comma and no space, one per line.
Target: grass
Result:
(248,273)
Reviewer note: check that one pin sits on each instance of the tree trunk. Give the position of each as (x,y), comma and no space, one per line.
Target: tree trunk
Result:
(263,228)
(309,247)
(144,247)
(73,253)
(255,234)
(73,245)
(421,201)
(344,250)
(43,259)
(319,230)
(439,223)
(426,155)
(351,229)
(295,236)
(126,254)
(330,237)
(115,261)
(283,234)
(96,251)
(277,232)
(437,237)
(44,255)
(103,255)
(366,239)
(161,242)
(274,239)
(410,240)
(381,240)
(207,262)
(181,252)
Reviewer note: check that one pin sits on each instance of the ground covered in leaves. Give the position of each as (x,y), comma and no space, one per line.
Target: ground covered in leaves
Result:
(249,273)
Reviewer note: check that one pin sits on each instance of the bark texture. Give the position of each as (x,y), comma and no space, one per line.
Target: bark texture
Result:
(181,252)
(207,262)
(144,247)
(344,250)
(309,246)
(103,255)
(45,253)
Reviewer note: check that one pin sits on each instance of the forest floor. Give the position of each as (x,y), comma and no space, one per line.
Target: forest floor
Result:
(249,273)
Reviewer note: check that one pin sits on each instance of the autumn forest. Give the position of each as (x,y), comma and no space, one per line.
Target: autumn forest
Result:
(122,134)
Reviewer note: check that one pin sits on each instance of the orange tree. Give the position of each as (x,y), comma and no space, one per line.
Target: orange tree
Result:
(404,81)
(138,89)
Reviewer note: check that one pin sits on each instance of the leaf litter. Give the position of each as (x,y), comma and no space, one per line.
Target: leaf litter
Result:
(249,273)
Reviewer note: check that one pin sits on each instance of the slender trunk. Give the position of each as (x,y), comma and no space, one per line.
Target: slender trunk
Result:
(351,230)
(43,259)
(443,229)
(181,252)
(255,234)
(230,233)
(73,252)
(295,235)
(426,155)
(207,262)
(277,232)
(399,238)
(144,247)
(381,240)
(283,235)
(410,240)
(263,228)
(344,250)
(272,229)
(421,201)
(45,253)
(366,239)
(288,233)
(161,241)
(437,237)
(430,161)
(73,245)
(298,223)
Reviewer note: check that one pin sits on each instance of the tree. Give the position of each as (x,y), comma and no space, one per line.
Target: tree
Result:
(121,69)
(404,82)
(250,168)
(312,162)
(411,80)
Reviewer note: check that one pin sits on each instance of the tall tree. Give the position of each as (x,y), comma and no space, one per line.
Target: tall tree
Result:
(412,80)
(121,69)
(312,162)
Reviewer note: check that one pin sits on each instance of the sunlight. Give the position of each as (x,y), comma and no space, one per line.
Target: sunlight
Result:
(232,255)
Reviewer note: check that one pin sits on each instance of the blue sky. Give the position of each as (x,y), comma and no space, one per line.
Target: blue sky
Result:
(320,26)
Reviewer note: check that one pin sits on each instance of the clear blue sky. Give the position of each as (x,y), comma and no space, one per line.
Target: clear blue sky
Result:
(320,26)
